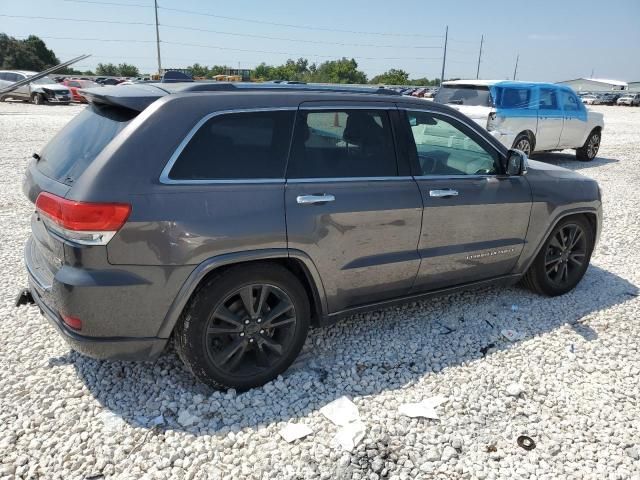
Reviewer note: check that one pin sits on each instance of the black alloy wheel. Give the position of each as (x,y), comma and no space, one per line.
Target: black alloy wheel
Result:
(566,255)
(250,329)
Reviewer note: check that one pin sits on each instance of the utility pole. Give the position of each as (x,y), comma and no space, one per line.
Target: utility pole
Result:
(158,39)
(479,57)
(592,72)
(515,70)
(444,56)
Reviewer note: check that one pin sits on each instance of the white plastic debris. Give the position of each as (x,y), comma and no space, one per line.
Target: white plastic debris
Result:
(186,418)
(426,408)
(341,411)
(112,422)
(155,422)
(295,431)
(350,435)
(515,389)
(512,335)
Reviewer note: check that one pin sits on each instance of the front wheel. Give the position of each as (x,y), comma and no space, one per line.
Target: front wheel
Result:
(38,99)
(563,259)
(589,150)
(244,326)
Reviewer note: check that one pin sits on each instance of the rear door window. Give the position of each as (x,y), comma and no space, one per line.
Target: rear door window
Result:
(548,99)
(476,95)
(237,146)
(569,101)
(342,144)
(512,97)
(73,149)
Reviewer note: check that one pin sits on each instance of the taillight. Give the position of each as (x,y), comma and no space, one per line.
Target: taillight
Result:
(82,222)
(72,322)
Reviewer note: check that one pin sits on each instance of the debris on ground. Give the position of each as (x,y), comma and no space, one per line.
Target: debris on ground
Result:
(295,431)
(512,335)
(341,411)
(425,409)
(526,442)
(350,435)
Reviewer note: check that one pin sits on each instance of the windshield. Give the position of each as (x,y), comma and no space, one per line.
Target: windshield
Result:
(73,149)
(88,83)
(475,95)
(44,81)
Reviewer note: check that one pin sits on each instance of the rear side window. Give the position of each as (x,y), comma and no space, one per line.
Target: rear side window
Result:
(342,144)
(237,146)
(512,97)
(72,150)
(569,101)
(548,99)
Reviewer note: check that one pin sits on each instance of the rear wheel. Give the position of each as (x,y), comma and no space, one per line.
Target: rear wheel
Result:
(523,143)
(589,150)
(563,259)
(244,326)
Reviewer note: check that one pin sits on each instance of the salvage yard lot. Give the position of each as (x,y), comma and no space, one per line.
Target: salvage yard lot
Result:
(578,366)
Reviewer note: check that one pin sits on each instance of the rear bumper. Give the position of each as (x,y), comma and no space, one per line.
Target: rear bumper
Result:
(102,348)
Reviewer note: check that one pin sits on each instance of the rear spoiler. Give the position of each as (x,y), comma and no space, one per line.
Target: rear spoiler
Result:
(133,97)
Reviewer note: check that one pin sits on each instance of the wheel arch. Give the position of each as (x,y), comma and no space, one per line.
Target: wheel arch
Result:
(591,217)
(295,261)
(532,138)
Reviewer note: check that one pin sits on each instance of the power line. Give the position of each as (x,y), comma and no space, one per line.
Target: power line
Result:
(303,27)
(91,39)
(86,20)
(110,3)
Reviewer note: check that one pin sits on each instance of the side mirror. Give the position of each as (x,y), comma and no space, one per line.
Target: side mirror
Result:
(516,163)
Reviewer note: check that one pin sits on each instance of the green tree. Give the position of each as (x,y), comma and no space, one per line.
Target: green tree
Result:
(107,70)
(28,54)
(392,77)
(339,71)
(127,70)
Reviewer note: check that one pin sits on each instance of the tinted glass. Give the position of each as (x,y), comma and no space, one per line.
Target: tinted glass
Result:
(12,77)
(3,76)
(464,95)
(237,146)
(342,144)
(512,97)
(444,148)
(548,99)
(73,149)
(569,101)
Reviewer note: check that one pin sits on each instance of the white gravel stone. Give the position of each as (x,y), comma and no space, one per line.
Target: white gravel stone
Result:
(579,361)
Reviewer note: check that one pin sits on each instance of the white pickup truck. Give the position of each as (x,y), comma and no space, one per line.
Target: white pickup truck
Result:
(532,117)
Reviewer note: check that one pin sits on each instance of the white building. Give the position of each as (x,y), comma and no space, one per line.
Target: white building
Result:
(595,84)
(634,86)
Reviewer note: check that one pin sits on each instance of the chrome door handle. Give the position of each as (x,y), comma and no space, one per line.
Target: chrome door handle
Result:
(314,199)
(443,193)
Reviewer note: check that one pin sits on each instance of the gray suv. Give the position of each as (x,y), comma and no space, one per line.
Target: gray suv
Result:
(232,219)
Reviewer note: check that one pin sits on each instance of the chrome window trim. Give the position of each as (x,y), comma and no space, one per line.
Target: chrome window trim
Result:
(339,108)
(164,176)
(347,179)
(454,177)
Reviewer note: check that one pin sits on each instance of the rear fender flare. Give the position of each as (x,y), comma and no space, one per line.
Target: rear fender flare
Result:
(213,263)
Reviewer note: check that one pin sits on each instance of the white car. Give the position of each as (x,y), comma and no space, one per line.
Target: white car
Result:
(41,91)
(632,100)
(531,117)
(591,100)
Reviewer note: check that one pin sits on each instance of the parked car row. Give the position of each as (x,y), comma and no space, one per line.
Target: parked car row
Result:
(613,98)
(40,91)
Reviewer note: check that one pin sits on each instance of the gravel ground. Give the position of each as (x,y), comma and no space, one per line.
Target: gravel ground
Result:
(571,383)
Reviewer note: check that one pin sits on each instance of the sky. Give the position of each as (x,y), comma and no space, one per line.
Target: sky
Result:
(555,40)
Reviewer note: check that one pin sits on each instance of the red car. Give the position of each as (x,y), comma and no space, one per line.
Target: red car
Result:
(74,85)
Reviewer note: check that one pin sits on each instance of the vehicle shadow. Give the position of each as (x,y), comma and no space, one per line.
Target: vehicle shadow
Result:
(363,355)
(568,160)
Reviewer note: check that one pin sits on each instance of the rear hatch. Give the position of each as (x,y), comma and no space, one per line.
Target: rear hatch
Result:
(474,101)
(60,164)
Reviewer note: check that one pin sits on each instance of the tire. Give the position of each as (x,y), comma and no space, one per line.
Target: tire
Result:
(3,98)
(224,346)
(589,150)
(38,99)
(523,143)
(543,274)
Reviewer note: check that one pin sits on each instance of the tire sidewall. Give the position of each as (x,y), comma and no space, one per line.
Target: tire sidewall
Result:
(192,337)
(542,280)
(521,137)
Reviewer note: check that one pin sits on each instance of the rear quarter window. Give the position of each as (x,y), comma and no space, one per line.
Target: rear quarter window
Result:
(512,97)
(236,146)
(73,149)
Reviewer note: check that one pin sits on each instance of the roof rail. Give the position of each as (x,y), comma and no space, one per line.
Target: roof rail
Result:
(299,87)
